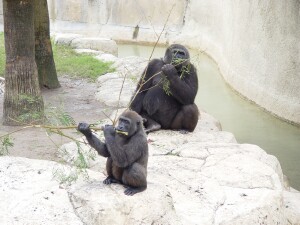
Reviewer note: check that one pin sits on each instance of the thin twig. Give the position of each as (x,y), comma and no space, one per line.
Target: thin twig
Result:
(144,14)
(161,32)
(47,127)
(67,136)
(114,121)
(154,47)
(107,116)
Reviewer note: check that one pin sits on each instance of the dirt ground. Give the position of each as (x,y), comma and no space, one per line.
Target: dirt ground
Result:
(76,96)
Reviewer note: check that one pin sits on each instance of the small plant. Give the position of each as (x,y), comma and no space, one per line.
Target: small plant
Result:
(64,176)
(56,116)
(166,86)
(6,143)
(55,121)
(185,70)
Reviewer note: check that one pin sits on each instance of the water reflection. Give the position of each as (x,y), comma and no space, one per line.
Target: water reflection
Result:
(249,123)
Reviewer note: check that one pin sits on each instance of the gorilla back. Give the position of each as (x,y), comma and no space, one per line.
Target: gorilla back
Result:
(126,149)
(166,92)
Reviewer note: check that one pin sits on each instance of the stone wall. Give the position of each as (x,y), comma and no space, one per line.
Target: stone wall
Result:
(117,19)
(255,43)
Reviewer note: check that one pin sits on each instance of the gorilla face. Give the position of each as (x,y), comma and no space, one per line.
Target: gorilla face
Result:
(124,126)
(128,124)
(177,55)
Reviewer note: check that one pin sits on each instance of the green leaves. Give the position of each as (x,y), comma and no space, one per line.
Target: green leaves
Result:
(166,85)
(6,143)
(56,116)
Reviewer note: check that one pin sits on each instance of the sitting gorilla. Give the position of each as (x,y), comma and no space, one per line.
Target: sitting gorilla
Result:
(126,149)
(166,92)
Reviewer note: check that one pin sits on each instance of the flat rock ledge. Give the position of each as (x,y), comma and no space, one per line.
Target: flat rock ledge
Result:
(77,41)
(211,178)
(204,177)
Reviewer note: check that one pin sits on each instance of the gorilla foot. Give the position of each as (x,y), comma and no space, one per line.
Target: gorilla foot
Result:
(110,180)
(152,127)
(131,191)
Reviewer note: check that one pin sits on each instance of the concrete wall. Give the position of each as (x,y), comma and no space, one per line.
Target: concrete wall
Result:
(117,18)
(256,43)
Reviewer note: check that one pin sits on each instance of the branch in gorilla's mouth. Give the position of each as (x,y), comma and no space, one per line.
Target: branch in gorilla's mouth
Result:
(122,132)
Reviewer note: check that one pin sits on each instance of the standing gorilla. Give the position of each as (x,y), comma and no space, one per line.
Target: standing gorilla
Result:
(166,92)
(126,149)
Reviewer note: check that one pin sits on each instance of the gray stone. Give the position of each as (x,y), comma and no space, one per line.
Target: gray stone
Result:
(292,206)
(214,180)
(128,72)
(99,44)
(30,196)
(66,38)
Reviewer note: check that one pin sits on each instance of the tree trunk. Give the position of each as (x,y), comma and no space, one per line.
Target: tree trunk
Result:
(23,102)
(43,48)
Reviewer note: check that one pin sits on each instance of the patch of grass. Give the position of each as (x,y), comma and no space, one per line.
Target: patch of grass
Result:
(69,62)
(2,55)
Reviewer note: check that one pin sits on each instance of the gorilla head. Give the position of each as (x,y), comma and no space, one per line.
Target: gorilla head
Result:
(177,55)
(126,150)
(129,123)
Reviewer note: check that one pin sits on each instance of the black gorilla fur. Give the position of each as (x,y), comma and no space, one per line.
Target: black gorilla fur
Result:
(126,149)
(174,110)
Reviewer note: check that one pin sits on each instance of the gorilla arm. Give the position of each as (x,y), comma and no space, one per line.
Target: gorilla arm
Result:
(146,79)
(94,142)
(124,155)
(183,89)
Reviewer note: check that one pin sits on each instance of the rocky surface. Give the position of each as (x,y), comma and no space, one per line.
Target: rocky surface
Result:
(94,43)
(204,177)
(211,178)
(30,196)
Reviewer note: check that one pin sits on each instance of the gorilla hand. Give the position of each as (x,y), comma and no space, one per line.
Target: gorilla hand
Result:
(84,128)
(169,70)
(109,130)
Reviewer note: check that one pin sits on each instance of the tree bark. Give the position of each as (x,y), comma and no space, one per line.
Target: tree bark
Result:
(43,48)
(23,101)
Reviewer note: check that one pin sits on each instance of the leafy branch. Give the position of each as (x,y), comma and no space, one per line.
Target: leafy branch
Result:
(55,122)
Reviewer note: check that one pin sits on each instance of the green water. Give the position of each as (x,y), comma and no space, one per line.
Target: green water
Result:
(248,122)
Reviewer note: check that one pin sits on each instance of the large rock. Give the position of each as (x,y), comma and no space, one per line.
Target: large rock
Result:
(292,206)
(65,39)
(94,204)
(30,196)
(100,44)
(78,41)
(128,72)
(213,179)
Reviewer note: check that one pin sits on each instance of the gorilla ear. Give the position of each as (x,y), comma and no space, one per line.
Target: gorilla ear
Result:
(138,123)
